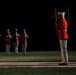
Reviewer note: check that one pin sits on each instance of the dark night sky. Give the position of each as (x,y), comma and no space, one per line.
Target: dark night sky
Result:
(36,17)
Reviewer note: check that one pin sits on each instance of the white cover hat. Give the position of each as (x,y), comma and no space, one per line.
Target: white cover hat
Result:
(61,13)
(15,29)
(7,30)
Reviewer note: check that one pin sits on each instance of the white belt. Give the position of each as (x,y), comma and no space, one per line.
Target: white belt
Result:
(63,30)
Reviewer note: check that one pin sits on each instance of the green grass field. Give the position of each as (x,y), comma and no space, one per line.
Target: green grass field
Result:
(37,71)
(37,56)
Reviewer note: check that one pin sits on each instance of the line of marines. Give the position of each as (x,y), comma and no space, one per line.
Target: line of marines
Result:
(15,38)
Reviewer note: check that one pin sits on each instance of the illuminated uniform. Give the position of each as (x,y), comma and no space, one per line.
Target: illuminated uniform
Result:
(24,41)
(7,42)
(63,37)
(16,41)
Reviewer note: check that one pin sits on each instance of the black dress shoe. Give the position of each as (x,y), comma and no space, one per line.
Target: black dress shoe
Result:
(63,64)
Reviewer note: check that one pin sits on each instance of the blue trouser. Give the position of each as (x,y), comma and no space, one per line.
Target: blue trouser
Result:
(24,47)
(16,48)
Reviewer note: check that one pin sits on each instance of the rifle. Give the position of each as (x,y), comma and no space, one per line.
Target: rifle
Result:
(56,19)
(68,18)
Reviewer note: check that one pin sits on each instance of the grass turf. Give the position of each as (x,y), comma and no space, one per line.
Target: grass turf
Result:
(36,56)
(37,71)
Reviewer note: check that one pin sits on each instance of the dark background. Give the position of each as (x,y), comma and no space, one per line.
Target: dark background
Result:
(36,17)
